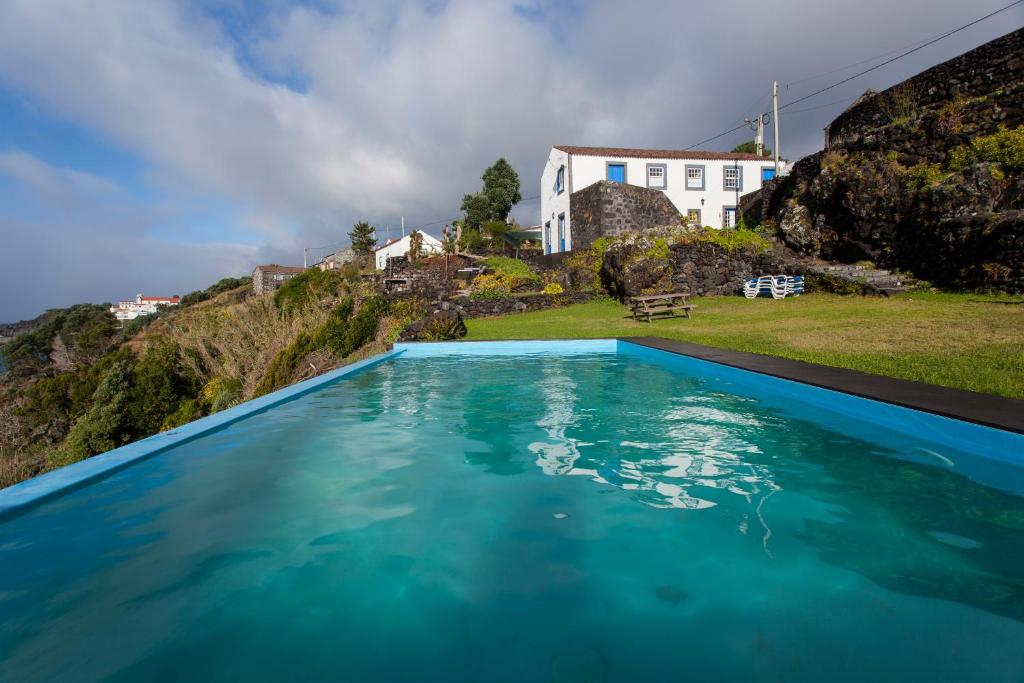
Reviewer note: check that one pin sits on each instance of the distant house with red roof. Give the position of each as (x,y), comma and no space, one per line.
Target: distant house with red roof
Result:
(142,305)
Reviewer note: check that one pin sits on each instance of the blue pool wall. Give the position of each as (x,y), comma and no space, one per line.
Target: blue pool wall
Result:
(856,416)
(34,490)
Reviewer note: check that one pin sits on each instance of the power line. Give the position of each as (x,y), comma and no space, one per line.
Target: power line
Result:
(902,55)
(923,45)
(863,61)
(822,106)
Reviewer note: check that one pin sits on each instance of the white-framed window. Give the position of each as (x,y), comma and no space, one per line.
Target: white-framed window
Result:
(694,177)
(656,176)
(732,177)
(560,180)
(728,216)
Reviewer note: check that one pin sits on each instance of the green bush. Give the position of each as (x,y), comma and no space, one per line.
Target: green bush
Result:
(924,176)
(342,334)
(1004,147)
(161,382)
(223,285)
(308,288)
(87,331)
(109,423)
(728,239)
(495,286)
(553,288)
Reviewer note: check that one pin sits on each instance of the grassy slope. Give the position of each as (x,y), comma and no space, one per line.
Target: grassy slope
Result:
(968,341)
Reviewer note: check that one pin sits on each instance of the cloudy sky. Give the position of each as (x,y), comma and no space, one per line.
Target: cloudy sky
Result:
(158,146)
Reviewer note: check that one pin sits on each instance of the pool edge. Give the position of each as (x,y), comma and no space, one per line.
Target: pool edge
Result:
(23,495)
(987,410)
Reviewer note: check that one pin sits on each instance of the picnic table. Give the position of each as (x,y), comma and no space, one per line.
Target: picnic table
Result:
(660,304)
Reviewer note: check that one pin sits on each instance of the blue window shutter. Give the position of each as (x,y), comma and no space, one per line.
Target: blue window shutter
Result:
(617,173)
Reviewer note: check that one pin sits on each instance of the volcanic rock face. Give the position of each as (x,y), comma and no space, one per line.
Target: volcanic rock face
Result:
(888,187)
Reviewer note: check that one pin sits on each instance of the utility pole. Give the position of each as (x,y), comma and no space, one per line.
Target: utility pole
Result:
(759,136)
(775,122)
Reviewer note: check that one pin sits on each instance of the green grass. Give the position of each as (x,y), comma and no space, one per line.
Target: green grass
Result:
(968,341)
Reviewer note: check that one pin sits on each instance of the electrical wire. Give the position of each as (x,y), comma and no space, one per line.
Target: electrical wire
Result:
(901,55)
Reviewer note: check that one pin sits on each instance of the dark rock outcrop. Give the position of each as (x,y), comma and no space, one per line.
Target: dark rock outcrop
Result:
(885,189)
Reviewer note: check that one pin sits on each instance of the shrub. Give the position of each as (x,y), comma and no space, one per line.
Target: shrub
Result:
(495,286)
(589,261)
(341,334)
(728,239)
(553,288)
(1004,147)
(223,285)
(924,176)
(308,288)
(443,326)
(515,273)
(108,424)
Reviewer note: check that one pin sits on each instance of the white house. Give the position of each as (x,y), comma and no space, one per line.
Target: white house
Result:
(400,247)
(704,186)
(143,305)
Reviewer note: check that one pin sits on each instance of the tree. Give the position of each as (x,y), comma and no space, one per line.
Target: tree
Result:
(449,245)
(363,237)
(750,147)
(415,246)
(477,208)
(501,187)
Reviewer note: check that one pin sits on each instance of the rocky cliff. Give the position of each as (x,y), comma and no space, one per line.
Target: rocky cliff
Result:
(926,177)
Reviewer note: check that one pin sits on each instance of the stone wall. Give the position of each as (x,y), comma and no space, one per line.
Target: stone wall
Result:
(607,209)
(479,308)
(634,268)
(991,70)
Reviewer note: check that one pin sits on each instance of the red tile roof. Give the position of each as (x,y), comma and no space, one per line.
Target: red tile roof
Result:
(626,152)
(160,298)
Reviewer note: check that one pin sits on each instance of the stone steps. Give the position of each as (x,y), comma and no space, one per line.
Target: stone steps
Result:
(880,280)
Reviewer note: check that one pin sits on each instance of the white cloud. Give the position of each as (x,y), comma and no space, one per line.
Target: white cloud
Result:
(395,107)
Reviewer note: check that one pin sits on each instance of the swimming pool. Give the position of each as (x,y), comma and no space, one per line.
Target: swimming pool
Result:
(537,511)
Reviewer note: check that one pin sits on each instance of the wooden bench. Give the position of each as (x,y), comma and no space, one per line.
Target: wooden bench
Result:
(659,304)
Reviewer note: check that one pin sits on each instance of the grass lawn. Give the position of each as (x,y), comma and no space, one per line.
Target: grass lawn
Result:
(968,341)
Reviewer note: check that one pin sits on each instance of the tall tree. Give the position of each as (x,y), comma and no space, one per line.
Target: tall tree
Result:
(750,147)
(477,209)
(501,187)
(363,237)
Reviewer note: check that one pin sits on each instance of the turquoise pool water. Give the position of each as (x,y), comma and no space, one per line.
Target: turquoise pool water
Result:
(566,518)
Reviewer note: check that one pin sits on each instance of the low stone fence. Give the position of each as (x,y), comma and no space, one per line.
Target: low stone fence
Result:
(521,303)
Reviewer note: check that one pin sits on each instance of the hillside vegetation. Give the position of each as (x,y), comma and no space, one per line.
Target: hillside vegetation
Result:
(79,385)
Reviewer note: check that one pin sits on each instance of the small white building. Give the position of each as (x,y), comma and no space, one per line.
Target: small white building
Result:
(400,247)
(704,186)
(143,305)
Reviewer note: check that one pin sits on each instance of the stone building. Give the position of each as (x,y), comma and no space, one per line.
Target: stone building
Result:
(338,259)
(268,278)
(607,209)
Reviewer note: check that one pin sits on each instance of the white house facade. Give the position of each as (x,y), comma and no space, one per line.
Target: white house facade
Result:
(704,186)
(143,305)
(400,247)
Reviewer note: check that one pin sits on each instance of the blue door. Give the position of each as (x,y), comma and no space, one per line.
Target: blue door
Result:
(547,237)
(767,174)
(561,232)
(617,173)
